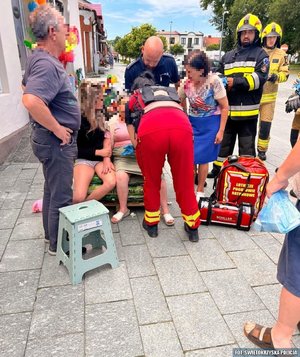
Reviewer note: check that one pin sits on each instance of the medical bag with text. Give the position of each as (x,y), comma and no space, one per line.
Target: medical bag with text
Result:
(242,180)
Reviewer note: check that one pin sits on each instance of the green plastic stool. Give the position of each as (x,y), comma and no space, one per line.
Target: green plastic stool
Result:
(81,224)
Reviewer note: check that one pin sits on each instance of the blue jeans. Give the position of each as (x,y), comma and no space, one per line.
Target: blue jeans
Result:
(288,269)
(58,161)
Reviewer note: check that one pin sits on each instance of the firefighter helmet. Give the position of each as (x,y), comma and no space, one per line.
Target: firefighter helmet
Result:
(272,29)
(249,22)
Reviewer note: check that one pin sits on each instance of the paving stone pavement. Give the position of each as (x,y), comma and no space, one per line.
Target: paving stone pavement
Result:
(168,298)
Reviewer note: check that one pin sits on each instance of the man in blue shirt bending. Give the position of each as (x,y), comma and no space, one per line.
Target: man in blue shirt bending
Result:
(162,65)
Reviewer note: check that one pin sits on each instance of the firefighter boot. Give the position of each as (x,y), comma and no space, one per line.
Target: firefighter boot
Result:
(151,230)
(192,233)
(262,155)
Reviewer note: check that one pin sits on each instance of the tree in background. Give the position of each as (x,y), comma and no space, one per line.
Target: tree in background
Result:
(285,12)
(213,47)
(216,19)
(176,49)
(114,41)
(164,41)
(241,7)
(130,45)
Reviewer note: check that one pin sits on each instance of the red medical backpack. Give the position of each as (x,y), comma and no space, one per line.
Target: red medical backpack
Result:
(239,193)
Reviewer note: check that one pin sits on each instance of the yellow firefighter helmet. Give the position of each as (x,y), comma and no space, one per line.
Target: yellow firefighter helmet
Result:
(249,22)
(272,29)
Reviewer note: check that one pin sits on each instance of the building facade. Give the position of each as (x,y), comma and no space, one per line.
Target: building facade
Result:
(188,40)
(14,24)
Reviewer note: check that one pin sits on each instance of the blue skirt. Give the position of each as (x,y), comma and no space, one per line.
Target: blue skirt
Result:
(205,130)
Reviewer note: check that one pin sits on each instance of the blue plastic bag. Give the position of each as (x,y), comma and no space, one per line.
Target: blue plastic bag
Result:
(128,150)
(279,215)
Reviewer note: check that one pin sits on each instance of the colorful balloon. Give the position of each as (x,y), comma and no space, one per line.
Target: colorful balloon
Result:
(32,6)
(42,2)
(72,39)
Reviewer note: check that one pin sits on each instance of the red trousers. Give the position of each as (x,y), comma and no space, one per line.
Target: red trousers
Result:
(167,132)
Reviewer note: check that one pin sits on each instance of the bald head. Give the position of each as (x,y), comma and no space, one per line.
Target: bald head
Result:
(152,51)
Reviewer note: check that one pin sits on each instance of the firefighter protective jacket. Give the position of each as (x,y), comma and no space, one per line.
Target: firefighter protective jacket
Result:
(249,67)
(279,66)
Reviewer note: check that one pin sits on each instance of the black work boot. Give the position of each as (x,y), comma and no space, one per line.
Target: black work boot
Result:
(214,172)
(192,233)
(262,155)
(151,230)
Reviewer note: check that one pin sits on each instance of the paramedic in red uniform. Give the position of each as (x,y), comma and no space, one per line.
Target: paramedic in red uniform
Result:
(164,129)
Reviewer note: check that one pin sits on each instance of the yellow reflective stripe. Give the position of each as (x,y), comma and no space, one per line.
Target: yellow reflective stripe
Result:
(250,81)
(245,113)
(228,72)
(152,214)
(263,142)
(190,220)
(268,97)
(151,220)
(262,147)
(218,163)
(152,217)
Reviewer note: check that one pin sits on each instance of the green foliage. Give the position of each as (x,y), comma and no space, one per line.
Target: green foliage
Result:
(176,49)
(130,45)
(240,8)
(164,41)
(213,47)
(114,41)
(285,12)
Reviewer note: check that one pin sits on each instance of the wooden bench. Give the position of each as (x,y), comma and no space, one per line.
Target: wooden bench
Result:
(135,192)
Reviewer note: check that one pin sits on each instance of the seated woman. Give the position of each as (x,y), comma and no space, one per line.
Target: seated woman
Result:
(127,165)
(94,146)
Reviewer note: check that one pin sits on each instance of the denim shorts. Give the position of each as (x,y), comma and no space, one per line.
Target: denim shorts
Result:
(288,270)
(89,163)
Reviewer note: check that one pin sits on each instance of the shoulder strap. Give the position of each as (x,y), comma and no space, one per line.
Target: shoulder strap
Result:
(159,93)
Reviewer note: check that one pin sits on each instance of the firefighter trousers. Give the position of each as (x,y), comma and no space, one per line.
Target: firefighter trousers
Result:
(245,130)
(151,151)
(266,114)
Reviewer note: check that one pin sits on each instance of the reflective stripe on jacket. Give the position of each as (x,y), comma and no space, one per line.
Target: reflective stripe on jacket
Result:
(249,67)
(279,66)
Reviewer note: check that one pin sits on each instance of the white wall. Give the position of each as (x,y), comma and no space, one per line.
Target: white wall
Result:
(13,115)
(74,20)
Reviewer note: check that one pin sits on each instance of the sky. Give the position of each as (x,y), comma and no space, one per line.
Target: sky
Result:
(121,15)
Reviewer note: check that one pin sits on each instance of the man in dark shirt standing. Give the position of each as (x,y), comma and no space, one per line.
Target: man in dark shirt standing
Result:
(54,115)
(163,66)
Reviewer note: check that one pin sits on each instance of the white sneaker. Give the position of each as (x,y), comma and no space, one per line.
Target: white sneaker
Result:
(199,194)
